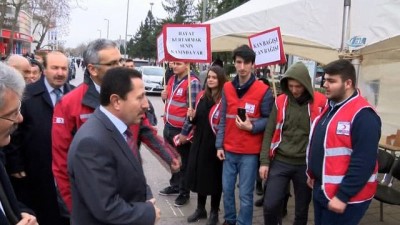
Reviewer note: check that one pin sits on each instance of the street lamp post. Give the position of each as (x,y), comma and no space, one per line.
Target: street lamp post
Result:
(126,28)
(99,32)
(108,26)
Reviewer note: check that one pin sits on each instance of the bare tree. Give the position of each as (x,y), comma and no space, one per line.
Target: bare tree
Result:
(49,14)
(17,5)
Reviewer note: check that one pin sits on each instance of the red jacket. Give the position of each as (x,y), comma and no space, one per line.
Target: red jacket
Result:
(176,104)
(314,109)
(236,140)
(338,150)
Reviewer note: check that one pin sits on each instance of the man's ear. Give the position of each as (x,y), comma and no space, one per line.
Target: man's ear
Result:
(115,101)
(92,69)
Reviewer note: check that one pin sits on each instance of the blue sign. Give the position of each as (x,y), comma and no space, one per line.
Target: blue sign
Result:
(357,41)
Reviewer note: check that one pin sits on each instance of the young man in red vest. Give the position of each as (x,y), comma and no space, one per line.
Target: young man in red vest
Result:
(283,154)
(342,154)
(176,99)
(238,139)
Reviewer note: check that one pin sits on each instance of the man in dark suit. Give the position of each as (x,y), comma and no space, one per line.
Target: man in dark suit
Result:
(107,180)
(11,88)
(29,157)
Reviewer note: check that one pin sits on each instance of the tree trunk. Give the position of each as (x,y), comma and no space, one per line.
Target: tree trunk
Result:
(10,46)
(40,42)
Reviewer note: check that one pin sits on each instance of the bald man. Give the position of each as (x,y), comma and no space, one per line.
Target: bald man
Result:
(22,65)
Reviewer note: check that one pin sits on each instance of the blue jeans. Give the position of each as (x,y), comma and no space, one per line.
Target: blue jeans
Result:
(245,166)
(323,216)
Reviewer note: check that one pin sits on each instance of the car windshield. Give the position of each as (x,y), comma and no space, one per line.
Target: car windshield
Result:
(153,71)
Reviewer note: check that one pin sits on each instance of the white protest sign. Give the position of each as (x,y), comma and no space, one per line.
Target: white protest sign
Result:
(160,48)
(187,42)
(268,47)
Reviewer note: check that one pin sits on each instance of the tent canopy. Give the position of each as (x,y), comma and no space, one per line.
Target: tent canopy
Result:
(310,28)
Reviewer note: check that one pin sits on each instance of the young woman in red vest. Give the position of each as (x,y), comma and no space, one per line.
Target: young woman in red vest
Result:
(204,172)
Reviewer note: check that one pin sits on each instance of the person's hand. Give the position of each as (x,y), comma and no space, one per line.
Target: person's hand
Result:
(27,219)
(175,165)
(221,154)
(19,175)
(336,205)
(164,95)
(310,182)
(244,125)
(263,172)
(182,139)
(190,113)
(152,200)
(158,214)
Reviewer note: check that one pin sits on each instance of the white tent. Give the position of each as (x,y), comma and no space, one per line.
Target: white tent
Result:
(313,29)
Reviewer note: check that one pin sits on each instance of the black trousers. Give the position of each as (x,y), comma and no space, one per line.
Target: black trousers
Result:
(279,176)
(178,180)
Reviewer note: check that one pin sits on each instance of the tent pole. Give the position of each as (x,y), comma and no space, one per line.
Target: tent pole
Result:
(345,27)
(356,61)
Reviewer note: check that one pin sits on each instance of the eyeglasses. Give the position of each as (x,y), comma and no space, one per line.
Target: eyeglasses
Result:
(110,64)
(14,117)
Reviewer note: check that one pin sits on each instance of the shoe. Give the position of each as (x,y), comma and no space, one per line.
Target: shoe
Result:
(259,202)
(213,219)
(259,189)
(227,223)
(181,200)
(169,191)
(197,215)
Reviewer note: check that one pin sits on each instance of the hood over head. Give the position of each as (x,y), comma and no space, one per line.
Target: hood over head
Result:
(298,72)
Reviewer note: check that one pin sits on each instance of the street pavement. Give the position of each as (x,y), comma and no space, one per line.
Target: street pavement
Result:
(158,178)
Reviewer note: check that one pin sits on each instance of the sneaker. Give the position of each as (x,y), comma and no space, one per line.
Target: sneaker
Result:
(259,202)
(213,220)
(197,215)
(169,191)
(181,200)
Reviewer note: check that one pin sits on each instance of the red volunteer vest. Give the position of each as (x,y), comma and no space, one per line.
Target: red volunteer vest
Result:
(236,140)
(314,109)
(338,150)
(176,104)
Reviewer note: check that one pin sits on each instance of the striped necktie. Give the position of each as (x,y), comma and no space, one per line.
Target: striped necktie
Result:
(58,93)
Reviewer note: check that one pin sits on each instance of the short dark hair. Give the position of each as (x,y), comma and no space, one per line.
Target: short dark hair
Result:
(34,62)
(117,81)
(129,60)
(343,68)
(246,53)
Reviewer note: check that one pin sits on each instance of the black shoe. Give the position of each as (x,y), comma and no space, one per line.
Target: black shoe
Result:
(259,202)
(213,219)
(227,223)
(169,191)
(259,189)
(181,200)
(197,215)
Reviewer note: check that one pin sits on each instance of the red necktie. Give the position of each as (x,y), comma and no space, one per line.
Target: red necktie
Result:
(132,143)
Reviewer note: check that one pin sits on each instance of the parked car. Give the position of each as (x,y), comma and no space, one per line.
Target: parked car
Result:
(153,78)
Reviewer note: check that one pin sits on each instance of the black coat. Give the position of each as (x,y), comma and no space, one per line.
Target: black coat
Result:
(16,207)
(204,172)
(30,151)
